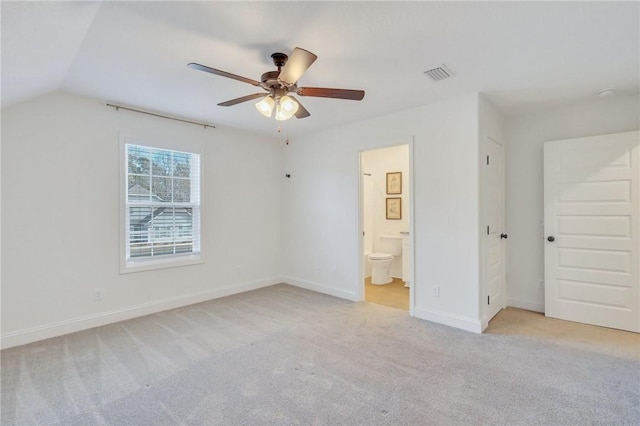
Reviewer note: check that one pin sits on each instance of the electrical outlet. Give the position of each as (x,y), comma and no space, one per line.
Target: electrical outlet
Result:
(541,284)
(436,291)
(97,294)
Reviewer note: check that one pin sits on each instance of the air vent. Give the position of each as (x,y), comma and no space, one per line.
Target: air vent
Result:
(439,73)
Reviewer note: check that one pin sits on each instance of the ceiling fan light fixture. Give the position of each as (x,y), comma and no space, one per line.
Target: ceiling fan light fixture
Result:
(265,106)
(286,108)
(288,105)
(280,115)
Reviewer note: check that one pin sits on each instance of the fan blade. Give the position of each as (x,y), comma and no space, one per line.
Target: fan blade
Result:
(302,111)
(243,99)
(299,61)
(222,73)
(323,92)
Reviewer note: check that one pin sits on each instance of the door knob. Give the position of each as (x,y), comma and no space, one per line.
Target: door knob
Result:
(551,238)
(504,236)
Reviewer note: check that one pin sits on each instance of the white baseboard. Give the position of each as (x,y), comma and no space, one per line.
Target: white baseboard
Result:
(320,288)
(47,331)
(484,324)
(457,321)
(529,306)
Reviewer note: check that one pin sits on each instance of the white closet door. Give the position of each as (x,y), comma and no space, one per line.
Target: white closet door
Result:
(495,232)
(592,240)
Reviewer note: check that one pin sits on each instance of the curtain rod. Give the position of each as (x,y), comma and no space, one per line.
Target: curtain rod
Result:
(117,107)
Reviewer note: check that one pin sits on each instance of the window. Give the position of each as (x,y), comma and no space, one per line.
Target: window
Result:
(162,206)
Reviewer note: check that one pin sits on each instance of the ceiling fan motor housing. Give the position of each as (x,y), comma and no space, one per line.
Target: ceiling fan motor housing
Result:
(270,79)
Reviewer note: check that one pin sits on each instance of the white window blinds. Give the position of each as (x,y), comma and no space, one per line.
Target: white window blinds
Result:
(162,203)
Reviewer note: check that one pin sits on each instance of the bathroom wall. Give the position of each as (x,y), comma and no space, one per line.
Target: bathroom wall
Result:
(378,163)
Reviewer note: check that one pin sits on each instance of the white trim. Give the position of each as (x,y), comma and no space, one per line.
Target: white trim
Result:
(457,321)
(47,331)
(321,288)
(522,304)
(359,293)
(161,262)
(484,324)
(412,233)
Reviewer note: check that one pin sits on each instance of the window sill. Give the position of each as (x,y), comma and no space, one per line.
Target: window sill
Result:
(153,264)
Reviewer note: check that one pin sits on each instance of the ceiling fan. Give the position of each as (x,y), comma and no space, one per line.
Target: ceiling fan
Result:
(278,84)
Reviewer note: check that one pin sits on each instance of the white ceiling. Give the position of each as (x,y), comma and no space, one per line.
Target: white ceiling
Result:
(524,55)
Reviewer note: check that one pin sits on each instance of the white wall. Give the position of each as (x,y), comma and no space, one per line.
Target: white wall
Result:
(60,165)
(526,135)
(60,230)
(378,163)
(322,236)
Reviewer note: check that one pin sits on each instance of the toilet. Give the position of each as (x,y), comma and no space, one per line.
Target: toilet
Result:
(381,261)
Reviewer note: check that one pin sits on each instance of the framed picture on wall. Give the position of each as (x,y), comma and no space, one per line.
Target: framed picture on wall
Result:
(394,208)
(394,183)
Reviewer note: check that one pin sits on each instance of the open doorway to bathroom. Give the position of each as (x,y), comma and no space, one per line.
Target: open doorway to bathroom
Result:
(385,217)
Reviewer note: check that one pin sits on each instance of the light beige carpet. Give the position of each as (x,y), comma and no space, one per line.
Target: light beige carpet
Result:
(284,355)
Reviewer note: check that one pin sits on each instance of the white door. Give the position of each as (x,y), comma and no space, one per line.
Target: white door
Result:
(592,241)
(495,232)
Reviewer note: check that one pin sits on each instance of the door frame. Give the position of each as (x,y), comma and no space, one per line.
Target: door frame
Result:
(409,141)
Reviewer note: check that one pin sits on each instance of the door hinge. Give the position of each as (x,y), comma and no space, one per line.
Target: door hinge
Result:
(487,160)
(488,303)
(487,229)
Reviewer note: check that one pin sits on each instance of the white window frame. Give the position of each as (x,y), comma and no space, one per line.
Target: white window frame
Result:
(127,264)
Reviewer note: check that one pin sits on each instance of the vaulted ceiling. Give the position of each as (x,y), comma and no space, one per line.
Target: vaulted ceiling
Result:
(524,55)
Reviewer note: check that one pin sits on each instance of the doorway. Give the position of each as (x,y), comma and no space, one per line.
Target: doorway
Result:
(386,207)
